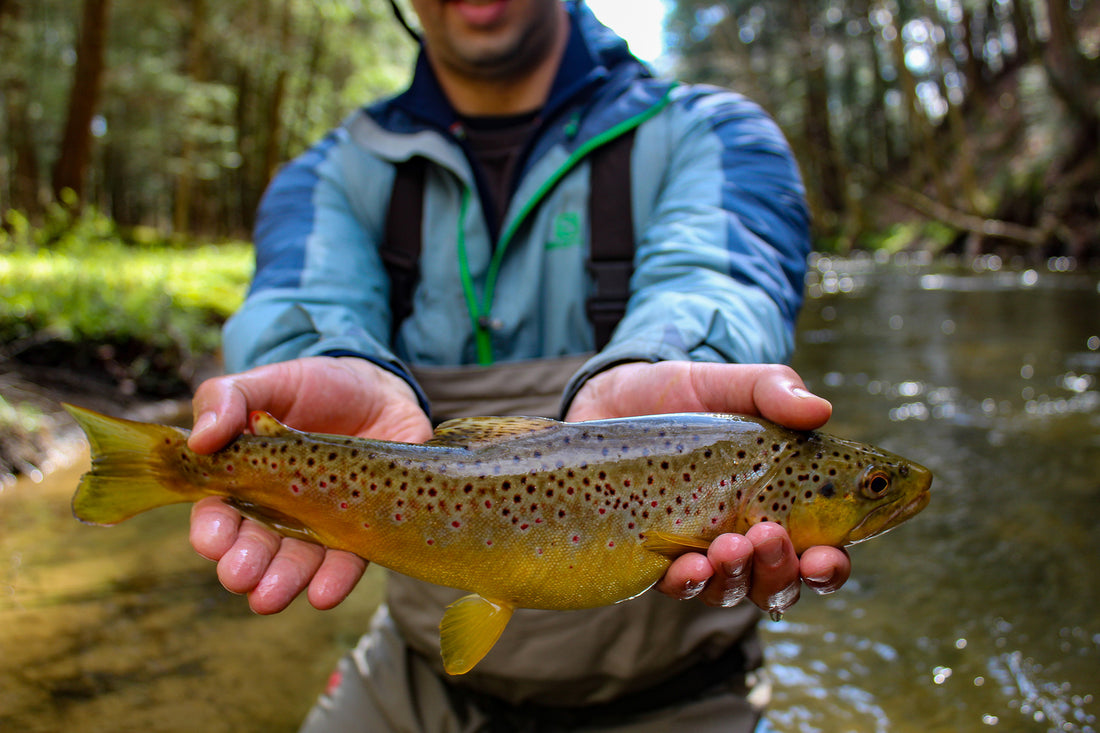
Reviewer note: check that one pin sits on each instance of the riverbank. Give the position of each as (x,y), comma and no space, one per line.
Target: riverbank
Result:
(37,435)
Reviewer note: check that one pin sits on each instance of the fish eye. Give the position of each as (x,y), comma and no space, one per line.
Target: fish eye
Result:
(876,484)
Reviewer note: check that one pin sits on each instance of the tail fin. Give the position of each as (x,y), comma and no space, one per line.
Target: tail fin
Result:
(129,474)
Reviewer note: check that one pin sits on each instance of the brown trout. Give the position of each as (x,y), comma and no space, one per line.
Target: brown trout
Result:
(521,512)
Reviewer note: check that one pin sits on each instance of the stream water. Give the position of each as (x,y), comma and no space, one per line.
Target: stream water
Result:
(981,614)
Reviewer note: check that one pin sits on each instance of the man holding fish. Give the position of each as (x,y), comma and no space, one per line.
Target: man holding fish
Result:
(493,312)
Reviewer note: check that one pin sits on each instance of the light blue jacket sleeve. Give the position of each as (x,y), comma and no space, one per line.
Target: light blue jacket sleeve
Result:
(721,257)
(320,287)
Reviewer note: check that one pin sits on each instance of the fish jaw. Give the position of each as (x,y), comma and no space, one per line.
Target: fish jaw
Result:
(888,516)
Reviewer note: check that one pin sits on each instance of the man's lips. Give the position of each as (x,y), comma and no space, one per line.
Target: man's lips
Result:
(480,13)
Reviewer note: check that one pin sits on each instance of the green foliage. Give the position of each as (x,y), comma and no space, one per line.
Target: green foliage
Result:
(91,287)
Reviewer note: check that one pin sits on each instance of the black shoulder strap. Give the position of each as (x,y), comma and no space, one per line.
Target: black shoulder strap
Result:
(611,235)
(611,232)
(403,238)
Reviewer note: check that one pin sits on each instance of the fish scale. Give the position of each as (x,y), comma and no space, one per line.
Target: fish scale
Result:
(520,512)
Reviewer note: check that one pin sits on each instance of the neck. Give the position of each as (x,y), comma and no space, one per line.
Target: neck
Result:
(506,94)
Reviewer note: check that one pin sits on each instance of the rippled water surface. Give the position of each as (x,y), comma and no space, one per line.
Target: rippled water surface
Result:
(983,613)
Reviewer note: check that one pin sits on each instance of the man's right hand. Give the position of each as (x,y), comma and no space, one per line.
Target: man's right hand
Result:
(338,395)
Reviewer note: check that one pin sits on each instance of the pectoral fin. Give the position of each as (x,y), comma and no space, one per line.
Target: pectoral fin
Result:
(673,545)
(469,629)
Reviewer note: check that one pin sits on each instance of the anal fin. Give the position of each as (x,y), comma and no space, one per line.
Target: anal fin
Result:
(673,545)
(281,523)
(469,629)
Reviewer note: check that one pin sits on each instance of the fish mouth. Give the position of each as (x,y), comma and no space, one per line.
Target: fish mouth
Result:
(888,516)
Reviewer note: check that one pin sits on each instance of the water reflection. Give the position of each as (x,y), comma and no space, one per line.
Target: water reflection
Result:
(982,613)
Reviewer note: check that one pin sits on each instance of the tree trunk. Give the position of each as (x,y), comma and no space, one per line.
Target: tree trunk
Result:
(1022,29)
(272,147)
(196,71)
(1068,70)
(824,159)
(76,144)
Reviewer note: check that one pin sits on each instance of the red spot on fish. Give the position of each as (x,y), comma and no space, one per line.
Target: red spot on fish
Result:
(366,525)
(397,517)
(488,504)
(229,468)
(296,488)
(576,539)
(603,511)
(431,542)
(653,504)
(456,524)
(322,484)
(524,526)
(610,544)
(343,505)
(538,520)
(489,543)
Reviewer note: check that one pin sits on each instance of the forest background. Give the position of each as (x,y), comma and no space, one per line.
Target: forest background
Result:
(133,135)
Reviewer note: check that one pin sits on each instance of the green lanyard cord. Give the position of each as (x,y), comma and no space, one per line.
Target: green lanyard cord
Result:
(480,310)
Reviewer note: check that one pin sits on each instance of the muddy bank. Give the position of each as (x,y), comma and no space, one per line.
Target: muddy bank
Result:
(38,435)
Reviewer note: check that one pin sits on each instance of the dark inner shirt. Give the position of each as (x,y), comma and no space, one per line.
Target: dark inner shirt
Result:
(497,144)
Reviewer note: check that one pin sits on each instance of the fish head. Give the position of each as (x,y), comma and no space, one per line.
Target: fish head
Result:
(855,492)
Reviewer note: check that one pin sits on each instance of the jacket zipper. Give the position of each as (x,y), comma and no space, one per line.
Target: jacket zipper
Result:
(480,310)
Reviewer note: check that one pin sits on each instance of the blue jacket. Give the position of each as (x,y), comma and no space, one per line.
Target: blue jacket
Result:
(720,223)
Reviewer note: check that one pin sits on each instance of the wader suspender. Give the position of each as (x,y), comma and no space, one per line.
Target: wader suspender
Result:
(611,231)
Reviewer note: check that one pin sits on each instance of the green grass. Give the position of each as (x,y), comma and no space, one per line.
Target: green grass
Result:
(85,285)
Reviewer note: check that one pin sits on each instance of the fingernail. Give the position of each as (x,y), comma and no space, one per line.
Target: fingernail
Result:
(691,589)
(770,552)
(734,569)
(802,393)
(784,599)
(206,421)
(821,584)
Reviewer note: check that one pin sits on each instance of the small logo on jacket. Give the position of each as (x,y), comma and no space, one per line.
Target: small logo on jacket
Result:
(566,230)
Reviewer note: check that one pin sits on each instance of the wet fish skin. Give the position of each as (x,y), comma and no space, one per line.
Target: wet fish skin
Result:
(522,512)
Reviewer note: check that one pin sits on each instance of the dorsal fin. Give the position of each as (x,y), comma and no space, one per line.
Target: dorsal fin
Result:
(475,432)
(263,424)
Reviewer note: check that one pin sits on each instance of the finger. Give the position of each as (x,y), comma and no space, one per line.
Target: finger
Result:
(214,527)
(825,569)
(731,557)
(774,391)
(338,574)
(780,395)
(290,571)
(242,567)
(775,569)
(220,410)
(686,577)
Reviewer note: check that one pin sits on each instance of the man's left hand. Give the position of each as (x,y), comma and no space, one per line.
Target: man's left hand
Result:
(761,564)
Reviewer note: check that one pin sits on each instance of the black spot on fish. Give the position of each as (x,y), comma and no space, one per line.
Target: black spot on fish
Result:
(828,490)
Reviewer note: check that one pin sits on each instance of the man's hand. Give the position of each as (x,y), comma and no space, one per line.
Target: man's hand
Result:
(760,564)
(345,396)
